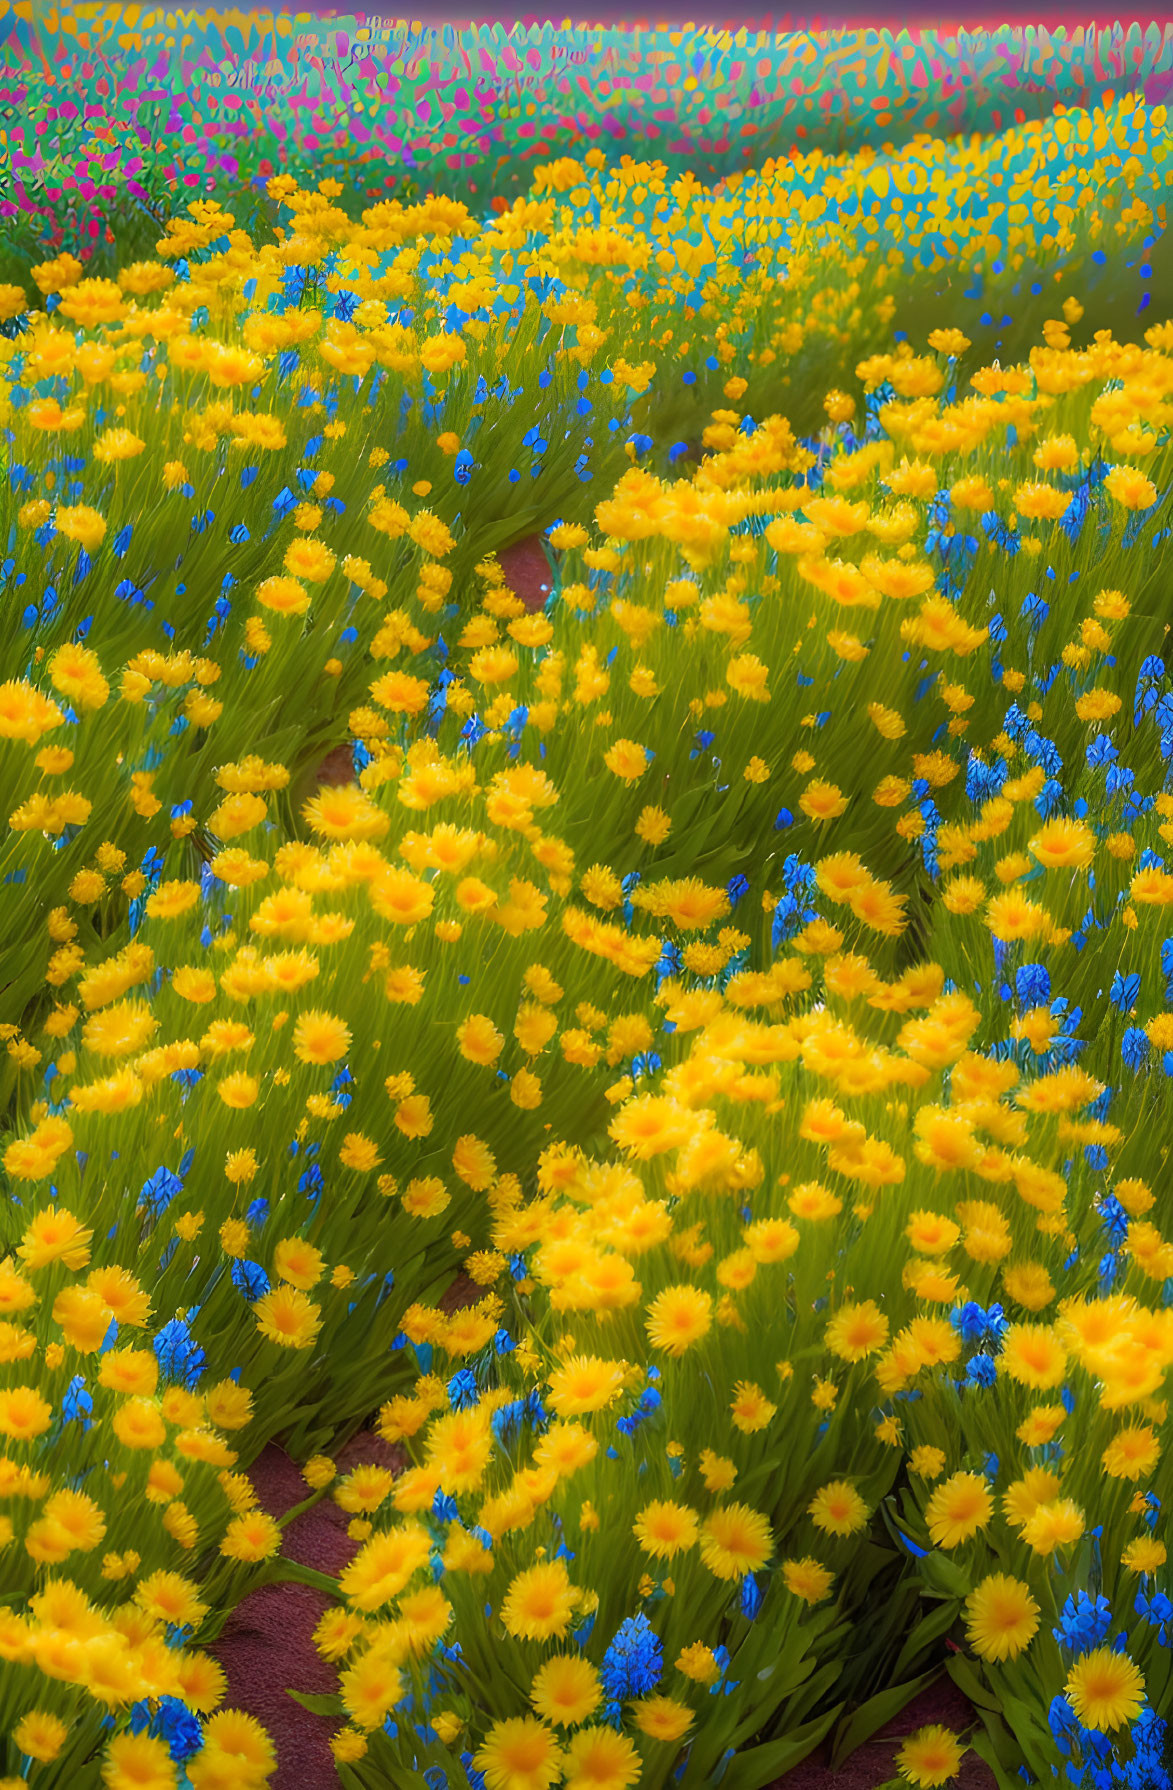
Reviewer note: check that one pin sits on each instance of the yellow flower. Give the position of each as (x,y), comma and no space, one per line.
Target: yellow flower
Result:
(240,1166)
(627,760)
(1098,705)
(385,1566)
(752,1410)
(1132,1453)
(698,1663)
(930,1757)
(298,1263)
(283,595)
(958,1509)
(1033,1356)
(81,524)
(679,1317)
(838,1509)
(1058,1524)
(1002,1617)
(807,1579)
(24,1414)
(822,801)
(75,671)
(662,1718)
(540,1602)
(287,1317)
(238,1090)
(1105,1689)
(1144,1555)
(566,1690)
(585,1383)
(359,1153)
(520,1754)
(254,1537)
(320,1038)
(1061,843)
(479,1041)
(55,1235)
(718,1473)
(926,1461)
(40,1736)
(310,560)
(735,1540)
(856,1331)
(748,676)
(1130,488)
(665,1529)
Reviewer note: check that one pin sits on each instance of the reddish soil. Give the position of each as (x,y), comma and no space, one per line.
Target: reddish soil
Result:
(338,766)
(527,570)
(267,1647)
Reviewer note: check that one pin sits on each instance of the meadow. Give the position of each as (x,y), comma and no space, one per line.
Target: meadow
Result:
(741,975)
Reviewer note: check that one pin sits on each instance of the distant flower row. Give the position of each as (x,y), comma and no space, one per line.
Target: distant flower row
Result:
(112,116)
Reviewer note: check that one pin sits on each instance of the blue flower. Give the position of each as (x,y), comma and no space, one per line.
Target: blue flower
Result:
(649,1403)
(634,1663)
(1032,985)
(250,1279)
(180,1357)
(969,1321)
(974,1325)
(1084,1623)
(475,1778)
(158,1192)
(1147,1769)
(77,1404)
(1062,1723)
(1113,1217)
(1134,1047)
(1124,991)
(463,1391)
(506,1420)
(534,1411)
(751,1596)
(1049,798)
(175,1723)
(984,781)
(1157,1611)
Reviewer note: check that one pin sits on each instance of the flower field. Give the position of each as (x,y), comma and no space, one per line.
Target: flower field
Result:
(741,979)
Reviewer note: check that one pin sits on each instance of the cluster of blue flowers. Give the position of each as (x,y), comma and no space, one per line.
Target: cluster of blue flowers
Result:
(794,909)
(982,1331)
(632,1665)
